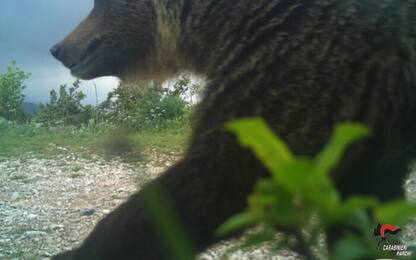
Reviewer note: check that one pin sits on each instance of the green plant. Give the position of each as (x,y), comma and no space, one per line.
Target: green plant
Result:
(4,124)
(174,238)
(148,108)
(300,199)
(158,110)
(65,108)
(11,93)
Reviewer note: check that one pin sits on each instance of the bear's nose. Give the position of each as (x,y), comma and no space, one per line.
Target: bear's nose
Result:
(56,51)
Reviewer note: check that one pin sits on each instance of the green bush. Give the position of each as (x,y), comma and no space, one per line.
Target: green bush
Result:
(65,108)
(154,109)
(11,93)
(139,107)
(300,199)
(4,122)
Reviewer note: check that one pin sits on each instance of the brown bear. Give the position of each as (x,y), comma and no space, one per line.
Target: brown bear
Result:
(302,65)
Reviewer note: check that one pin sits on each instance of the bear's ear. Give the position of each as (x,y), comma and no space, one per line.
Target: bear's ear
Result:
(68,255)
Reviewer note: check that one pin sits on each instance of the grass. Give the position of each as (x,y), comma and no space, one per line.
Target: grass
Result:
(20,140)
(76,169)
(136,146)
(75,175)
(169,140)
(20,177)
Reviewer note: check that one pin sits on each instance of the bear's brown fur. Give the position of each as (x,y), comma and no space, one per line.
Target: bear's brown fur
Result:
(303,65)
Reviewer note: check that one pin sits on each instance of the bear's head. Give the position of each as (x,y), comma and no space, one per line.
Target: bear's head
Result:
(117,38)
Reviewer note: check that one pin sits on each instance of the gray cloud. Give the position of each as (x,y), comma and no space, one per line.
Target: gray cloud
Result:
(28,29)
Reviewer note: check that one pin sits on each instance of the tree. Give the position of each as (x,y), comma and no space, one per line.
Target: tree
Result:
(186,87)
(11,93)
(65,108)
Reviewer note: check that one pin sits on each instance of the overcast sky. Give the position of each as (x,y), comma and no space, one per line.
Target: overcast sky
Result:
(28,28)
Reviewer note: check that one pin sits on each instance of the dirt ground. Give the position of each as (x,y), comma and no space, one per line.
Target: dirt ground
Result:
(50,205)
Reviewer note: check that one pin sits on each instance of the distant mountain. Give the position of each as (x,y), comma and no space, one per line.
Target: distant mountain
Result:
(30,108)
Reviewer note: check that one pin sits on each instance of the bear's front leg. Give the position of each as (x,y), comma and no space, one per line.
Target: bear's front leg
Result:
(203,190)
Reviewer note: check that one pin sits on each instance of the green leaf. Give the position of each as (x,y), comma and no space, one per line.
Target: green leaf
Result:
(255,134)
(353,205)
(350,248)
(295,175)
(266,234)
(236,222)
(321,193)
(344,135)
(323,198)
(359,221)
(396,213)
(258,237)
(172,233)
(327,199)
(273,203)
(302,187)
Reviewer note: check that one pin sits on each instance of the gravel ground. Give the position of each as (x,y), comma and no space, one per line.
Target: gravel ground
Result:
(47,206)
(50,205)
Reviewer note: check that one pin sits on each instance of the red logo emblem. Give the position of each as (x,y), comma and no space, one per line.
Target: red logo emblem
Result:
(383,229)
